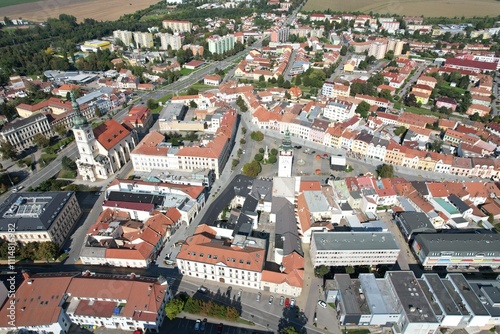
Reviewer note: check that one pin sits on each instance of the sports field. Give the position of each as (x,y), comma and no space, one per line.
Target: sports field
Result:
(428,8)
(100,10)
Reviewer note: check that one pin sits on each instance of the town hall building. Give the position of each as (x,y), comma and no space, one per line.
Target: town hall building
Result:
(103,150)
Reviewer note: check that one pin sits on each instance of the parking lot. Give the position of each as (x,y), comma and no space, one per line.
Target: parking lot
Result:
(179,325)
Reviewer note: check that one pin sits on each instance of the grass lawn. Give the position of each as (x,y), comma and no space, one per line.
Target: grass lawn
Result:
(423,111)
(46,158)
(446,85)
(186,71)
(356,331)
(201,87)
(66,174)
(6,3)
(246,322)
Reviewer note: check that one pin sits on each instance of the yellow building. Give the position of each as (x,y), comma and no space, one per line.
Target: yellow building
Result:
(349,66)
(95,45)
(426,163)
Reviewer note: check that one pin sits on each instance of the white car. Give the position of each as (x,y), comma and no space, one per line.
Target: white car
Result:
(322,303)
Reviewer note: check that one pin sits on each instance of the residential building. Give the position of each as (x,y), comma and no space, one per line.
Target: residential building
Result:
(353,248)
(177,25)
(377,49)
(333,90)
(87,299)
(20,132)
(427,80)
(215,256)
(458,250)
(39,217)
(212,80)
(140,118)
(220,44)
(124,35)
(143,39)
(103,150)
(338,111)
(413,223)
(168,40)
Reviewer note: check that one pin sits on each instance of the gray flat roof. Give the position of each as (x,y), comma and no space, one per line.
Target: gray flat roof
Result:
(416,222)
(32,211)
(349,290)
(489,296)
(355,241)
(464,289)
(378,295)
(441,294)
(411,296)
(430,298)
(455,296)
(459,242)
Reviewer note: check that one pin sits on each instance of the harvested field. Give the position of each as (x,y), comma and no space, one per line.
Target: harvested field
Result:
(101,10)
(428,8)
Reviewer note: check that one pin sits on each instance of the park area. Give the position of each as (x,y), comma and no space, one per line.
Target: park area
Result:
(39,11)
(428,8)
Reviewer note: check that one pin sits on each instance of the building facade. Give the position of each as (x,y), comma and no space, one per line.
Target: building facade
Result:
(220,44)
(285,157)
(20,133)
(39,217)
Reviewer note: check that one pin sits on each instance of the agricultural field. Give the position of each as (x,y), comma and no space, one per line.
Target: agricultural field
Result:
(428,8)
(101,10)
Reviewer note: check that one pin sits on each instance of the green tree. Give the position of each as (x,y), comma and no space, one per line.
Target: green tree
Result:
(68,164)
(193,305)
(321,271)
(60,130)
(193,104)
(411,101)
(362,109)
(257,136)
(192,91)
(385,94)
(385,171)
(289,330)
(251,169)
(152,104)
(272,159)
(343,50)
(262,150)
(298,80)
(436,145)
(40,140)
(262,78)
(174,307)
(235,163)
(274,151)
(8,151)
(97,111)
(400,130)
(47,250)
(259,157)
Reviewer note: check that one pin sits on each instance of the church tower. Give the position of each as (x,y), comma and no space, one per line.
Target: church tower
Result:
(84,135)
(285,157)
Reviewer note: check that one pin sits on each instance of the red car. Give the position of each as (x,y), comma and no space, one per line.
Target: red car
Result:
(287,302)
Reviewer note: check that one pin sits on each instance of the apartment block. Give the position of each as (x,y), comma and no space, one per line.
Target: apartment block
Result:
(143,39)
(220,44)
(177,25)
(127,37)
(169,40)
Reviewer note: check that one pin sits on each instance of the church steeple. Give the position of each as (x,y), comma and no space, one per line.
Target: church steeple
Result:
(79,121)
(286,143)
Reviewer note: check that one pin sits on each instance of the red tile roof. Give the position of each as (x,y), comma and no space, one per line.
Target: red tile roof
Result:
(110,133)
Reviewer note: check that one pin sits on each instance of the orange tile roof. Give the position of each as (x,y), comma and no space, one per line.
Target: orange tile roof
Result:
(149,145)
(476,189)
(204,241)
(110,133)
(310,186)
(304,215)
(437,189)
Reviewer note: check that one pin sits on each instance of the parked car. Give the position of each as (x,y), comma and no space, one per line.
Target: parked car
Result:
(292,302)
(322,303)
(202,289)
(287,302)
(282,301)
(271,299)
(219,328)
(203,324)
(259,295)
(197,325)
(298,147)
(239,293)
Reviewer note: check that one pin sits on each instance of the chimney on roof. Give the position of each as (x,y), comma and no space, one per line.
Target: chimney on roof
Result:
(26,276)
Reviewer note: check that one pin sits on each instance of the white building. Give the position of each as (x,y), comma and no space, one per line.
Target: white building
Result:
(143,39)
(168,40)
(20,133)
(285,157)
(220,44)
(124,35)
(353,248)
(212,255)
(339,111)
(103,150)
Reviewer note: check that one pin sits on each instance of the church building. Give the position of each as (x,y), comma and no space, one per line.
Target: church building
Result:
(103,150)
(285,157)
